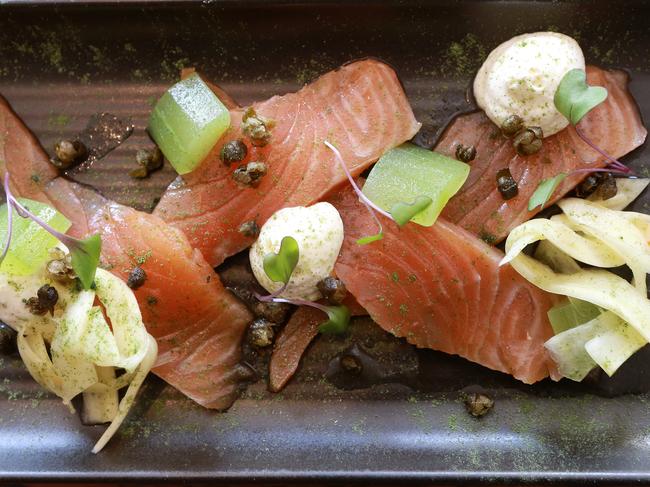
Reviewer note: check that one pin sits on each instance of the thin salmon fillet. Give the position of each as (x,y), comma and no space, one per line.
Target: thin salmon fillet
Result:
(22,153)
(360,107)
(440,287)
(478,207)
(198,324)
(291,344)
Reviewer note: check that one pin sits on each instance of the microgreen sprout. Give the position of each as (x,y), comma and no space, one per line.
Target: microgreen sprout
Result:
(401,213)
(362,197)
(544,191)
(574,98)
(279,267)
(84,253)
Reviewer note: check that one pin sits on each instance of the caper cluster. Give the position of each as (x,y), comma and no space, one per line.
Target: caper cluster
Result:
(526,140)
(257,130)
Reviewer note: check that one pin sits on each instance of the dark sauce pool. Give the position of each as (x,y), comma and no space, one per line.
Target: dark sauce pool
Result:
(401,417)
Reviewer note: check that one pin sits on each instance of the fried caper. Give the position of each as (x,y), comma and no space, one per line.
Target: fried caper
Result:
(511,125)
(249,174)
(249,229)
(45,300)
(332,289)
(260,333)
(137,276)
(233,151)
(256,127)
(465,153)
(148,161)
(506,184)
(528,141)
(478,404)
(69,152)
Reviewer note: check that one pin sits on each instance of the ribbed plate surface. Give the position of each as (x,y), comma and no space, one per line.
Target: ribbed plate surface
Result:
(61,64)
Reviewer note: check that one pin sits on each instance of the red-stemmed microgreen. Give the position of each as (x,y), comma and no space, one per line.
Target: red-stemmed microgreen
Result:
(84,253)
(574,98)
(371,207)
(617,165)
(339,316)
(279,267)
(544,191)
(401,213)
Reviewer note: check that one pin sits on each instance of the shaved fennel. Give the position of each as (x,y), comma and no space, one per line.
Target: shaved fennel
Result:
(571,314)
(589,232)
(101,401)
(76,351)
(606,341)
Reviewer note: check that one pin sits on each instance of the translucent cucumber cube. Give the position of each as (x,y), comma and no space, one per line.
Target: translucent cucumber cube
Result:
(187,122)
(406,172)
(30,243)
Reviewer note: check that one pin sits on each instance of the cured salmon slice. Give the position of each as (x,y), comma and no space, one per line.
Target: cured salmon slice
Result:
(478,207)
(440,287)
(360,107)
(197,323)
(295,337)
(19,150)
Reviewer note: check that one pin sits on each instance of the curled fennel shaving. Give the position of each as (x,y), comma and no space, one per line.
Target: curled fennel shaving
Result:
(589,232)
(85,351)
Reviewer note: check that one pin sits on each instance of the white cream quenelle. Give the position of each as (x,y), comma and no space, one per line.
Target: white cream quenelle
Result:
(318,229)
(521,75)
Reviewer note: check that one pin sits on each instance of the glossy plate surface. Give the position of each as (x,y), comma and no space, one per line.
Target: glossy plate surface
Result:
(59,64)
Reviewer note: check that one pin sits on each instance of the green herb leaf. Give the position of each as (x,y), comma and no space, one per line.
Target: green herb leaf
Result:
(544,191)
(85,258)
(370,239)
(403,212)
(339,319)
(280,266)
(574,98)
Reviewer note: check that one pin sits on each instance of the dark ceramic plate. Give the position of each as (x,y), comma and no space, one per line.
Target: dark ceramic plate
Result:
(60,63)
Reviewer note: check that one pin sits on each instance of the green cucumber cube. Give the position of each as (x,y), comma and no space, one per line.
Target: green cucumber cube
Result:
(187,122)
(406,172)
